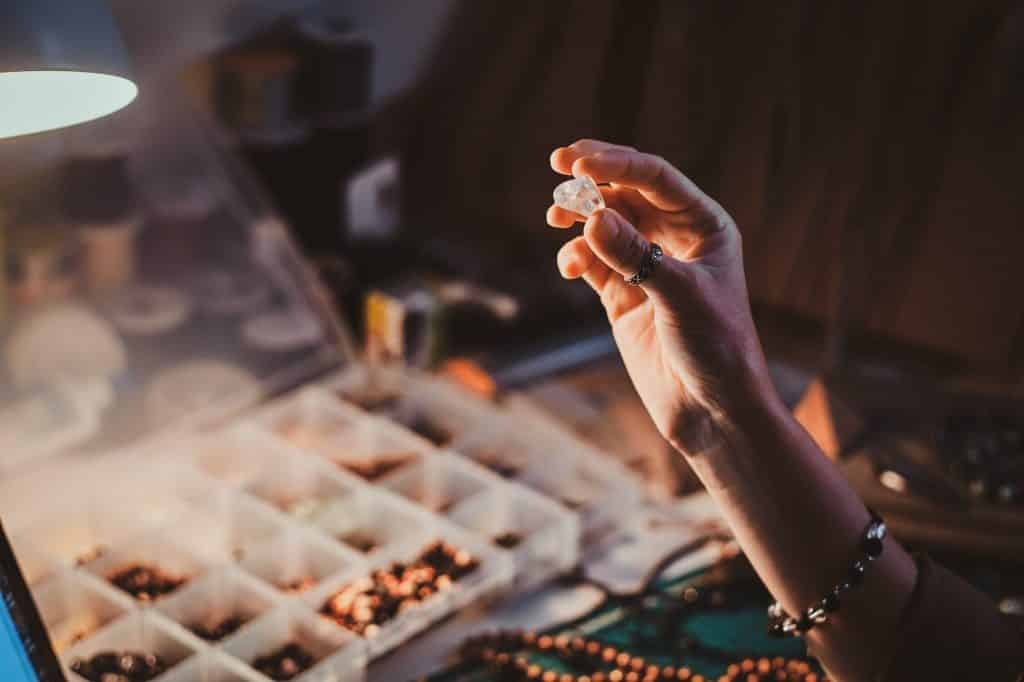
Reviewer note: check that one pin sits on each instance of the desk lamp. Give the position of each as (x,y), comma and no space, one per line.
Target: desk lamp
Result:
(62,62)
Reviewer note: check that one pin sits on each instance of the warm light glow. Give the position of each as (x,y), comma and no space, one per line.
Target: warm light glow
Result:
(34,101)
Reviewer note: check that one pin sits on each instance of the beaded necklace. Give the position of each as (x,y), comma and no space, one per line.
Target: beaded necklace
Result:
(609,664)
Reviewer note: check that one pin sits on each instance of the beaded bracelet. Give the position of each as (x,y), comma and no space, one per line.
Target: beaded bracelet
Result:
(871,544)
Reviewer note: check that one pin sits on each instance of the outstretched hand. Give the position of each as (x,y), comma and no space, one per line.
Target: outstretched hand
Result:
(686,334)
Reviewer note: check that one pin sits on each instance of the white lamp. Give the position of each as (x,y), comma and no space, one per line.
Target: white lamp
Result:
(62,62)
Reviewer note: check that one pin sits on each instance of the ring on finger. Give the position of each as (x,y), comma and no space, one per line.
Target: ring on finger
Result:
(650,261)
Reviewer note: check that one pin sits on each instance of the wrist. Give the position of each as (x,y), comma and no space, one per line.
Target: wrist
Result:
(719,439)
(753,412)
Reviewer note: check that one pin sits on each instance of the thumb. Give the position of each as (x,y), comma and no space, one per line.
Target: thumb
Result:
(622,248)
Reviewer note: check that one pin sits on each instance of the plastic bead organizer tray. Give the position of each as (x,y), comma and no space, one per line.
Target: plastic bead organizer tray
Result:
(267,519)
(109,471)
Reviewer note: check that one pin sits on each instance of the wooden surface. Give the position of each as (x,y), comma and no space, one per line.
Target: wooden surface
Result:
(891,132)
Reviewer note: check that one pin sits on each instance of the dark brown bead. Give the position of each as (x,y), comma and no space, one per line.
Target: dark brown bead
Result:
(214,632)
(856,576)
(285,663)
(872,547)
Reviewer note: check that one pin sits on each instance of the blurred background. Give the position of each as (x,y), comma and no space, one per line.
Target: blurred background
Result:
(868,151)
(340,203)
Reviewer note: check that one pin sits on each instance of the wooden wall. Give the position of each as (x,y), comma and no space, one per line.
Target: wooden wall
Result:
(892,131)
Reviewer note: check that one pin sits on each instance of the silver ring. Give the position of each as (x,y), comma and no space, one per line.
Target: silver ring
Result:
(650,261)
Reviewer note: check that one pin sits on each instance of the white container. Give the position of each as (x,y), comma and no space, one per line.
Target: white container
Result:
(212,666)
(372,448)
(310,420)
(497,448)
(438,411)
(225,525)
(217,596)
(373,521)
(139,632)
(233,456)
(35,565)
(546,535)
(74,605)
(340,656)
(298,560)
(441,483)
(78,532)
(435,409)
(302,487)
(163,551)
(492,575)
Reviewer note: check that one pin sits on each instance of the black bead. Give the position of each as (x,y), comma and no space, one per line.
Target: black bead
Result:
(856,576)
(830,603)
(872,547)
(804,624)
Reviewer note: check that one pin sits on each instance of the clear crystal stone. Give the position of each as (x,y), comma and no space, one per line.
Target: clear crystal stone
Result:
(580,195)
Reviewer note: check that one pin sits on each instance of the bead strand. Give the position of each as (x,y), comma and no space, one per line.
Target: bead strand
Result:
(496,650)
(870,548)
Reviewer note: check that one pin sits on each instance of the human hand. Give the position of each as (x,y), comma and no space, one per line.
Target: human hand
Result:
(686,334)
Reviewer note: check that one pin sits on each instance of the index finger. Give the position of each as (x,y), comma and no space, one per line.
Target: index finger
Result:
(654,177)
(563,158)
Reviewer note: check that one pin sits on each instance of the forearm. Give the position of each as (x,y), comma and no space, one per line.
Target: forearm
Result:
(799,522)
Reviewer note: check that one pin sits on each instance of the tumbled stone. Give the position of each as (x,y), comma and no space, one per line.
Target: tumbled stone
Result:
(579,195)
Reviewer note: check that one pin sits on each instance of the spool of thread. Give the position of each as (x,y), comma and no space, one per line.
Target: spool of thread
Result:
(109,254)
(337,76)
(256,96)
(99,197)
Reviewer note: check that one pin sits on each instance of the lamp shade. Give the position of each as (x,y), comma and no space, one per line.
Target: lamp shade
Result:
(62,62)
